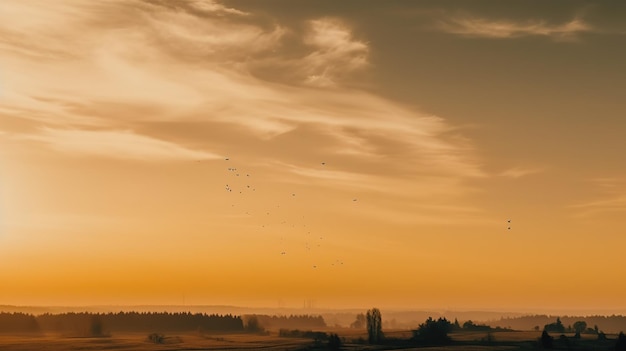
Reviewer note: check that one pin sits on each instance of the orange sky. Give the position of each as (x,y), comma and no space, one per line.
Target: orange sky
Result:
(267,153)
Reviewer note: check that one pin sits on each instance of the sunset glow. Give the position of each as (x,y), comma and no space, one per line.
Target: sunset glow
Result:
(353,153)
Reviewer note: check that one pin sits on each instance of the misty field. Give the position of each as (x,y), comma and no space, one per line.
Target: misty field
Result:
(233,342)
(352,340)
(140,341)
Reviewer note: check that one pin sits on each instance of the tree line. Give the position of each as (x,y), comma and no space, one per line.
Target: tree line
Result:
(435,332)
(609,324)
(303,321)
(86,323)
(18,323)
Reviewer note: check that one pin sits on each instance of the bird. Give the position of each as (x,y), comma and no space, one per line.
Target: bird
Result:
(323,163)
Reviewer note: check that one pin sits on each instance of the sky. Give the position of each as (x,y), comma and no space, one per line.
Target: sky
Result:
(348,154)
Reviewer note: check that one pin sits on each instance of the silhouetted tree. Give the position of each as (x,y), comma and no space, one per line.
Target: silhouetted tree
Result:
(601,336)
(253,325)
(374,325)
(96,326)
(580,327)
(334,342)
(620,345)
(360,322)
(555,327)
(546,340)
(156,338)
(469,325)
(433,331)
(489,339)
(456,325)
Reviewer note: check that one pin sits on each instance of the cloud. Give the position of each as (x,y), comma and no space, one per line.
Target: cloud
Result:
(336,52)
(612,200)
(195,34)
(502,29)
(134,80)
(608,182)
(518,172)
(117,144)
(615,204)
(198,7)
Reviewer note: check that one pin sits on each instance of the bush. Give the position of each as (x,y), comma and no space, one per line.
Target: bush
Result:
(433,331)
(489,339)
(620,345)
(334,342)
(96,328)
(253,325)
(156,338)
(546,340)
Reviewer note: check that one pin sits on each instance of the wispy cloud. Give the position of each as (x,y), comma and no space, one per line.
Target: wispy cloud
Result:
(336,52)
(117,144)
(518,172)
(198,7)
(615,204)
(611,200)
(469,26)
(147,69)
(608,182)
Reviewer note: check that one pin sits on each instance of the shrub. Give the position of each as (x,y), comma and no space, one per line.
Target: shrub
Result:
(334,342)
(433,331)
(156,338)
(546,340)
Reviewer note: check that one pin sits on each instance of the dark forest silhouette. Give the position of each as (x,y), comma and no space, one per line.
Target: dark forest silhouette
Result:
(18,323)
(97,324)
(287,322)
(609,324)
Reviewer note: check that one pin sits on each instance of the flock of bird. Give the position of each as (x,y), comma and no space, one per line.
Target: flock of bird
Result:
(242,183)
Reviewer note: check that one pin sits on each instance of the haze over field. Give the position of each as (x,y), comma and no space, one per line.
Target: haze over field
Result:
(349,154)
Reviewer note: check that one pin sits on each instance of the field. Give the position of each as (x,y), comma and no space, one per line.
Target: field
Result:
(139,341)
(471,341)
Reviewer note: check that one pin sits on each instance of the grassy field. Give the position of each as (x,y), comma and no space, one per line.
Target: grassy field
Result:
(470,341)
